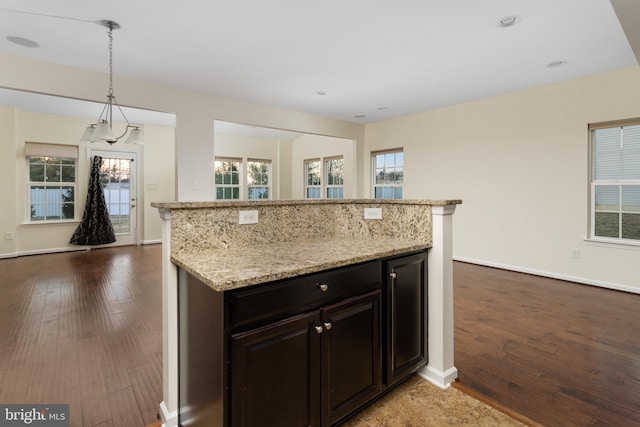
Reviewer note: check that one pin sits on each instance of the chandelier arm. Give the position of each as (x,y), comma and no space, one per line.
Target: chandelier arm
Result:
(121,112)
(125,131)
(102,113)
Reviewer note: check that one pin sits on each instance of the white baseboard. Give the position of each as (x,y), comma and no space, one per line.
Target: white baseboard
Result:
(580,280)
(169,419)
(151,242)
(9,255)
(437,377)
(53,250)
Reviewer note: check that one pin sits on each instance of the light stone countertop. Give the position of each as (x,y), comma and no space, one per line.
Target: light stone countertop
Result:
(237,267)
(299,202)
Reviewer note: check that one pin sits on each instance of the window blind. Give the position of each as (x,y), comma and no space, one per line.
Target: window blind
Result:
(38,149)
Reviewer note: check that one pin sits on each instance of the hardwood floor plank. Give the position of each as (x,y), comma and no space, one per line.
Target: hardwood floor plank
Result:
(558,353)
(124,409)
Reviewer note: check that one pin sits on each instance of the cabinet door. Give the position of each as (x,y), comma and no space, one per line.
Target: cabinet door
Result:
(351,355)
(405,329)
(275,374)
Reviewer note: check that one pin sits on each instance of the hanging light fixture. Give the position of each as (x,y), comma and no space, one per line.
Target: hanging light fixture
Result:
(102,131)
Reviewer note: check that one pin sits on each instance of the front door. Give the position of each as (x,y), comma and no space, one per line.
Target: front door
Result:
(118,179)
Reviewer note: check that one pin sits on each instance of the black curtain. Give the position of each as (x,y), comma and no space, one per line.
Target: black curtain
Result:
(96,227)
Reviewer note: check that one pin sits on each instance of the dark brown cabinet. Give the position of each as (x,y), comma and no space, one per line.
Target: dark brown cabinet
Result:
(351,356)
(275,373)
(308,370)
(405,319)
(305,351)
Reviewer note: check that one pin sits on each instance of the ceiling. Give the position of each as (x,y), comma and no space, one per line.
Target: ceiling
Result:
(372,59)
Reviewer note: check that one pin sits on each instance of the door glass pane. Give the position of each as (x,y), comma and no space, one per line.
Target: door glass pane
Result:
(115,179)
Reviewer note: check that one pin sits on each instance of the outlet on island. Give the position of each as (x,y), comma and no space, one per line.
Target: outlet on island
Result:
(248,217)
(372,213)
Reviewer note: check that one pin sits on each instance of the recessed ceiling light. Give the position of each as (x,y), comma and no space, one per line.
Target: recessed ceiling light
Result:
(509,21)
(382,108)
(321,93)
(22,41)
(360,116)
(556,64)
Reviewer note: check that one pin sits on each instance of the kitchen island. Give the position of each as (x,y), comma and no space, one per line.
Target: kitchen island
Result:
(223,253)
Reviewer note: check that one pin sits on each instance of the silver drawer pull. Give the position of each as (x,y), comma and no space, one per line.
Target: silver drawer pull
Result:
(323,287)
(393,275)
(328,326)
(319,329)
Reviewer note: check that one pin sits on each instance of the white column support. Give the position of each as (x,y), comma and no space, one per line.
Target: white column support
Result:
(169,404)
(440,370)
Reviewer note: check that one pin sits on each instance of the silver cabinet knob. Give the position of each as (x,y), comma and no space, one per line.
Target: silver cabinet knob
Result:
(323,287)
(319,329)
(328,326)
(393,275)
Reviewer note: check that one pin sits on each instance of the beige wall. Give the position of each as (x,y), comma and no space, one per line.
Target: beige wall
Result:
(7,179)
(156,168)
(195,113)
(520,164)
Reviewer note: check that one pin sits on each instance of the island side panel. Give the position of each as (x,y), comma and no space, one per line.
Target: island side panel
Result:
(202,356)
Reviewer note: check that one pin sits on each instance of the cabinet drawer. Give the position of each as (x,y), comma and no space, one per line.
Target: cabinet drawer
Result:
(276,300)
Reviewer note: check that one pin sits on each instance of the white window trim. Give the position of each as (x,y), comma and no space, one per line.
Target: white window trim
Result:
(240,184)
(59,151)
(327,186)
(306,176)
(323,187)
(269,178)
(374,169)
(591,238)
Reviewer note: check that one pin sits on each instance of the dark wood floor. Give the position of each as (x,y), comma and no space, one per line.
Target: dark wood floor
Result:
(559,353)
(84,328)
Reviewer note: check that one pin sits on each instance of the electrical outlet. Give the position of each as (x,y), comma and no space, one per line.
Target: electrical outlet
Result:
(248,217)
(8,235)
(575,253)
(372,213)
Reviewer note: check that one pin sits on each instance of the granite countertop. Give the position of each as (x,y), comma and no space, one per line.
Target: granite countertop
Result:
(237,267)
(258,203)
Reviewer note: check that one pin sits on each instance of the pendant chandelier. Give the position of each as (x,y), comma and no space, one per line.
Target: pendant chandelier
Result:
(102,131)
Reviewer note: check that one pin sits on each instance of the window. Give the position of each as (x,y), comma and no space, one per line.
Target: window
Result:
(334,177)
(388,174)
(51,181)
(324,178)
(313,188)
(227,178)
(258,179)
(615,181)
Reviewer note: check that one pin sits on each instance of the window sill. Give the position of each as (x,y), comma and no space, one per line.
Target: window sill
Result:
(633,245)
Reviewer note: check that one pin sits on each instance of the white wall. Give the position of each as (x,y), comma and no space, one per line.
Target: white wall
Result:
(520,163)
(20,126)
(308,147)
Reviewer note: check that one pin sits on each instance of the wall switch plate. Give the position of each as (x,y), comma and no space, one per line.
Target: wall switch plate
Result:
(372,213)
(8,235)
(575,253)
(248,217)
